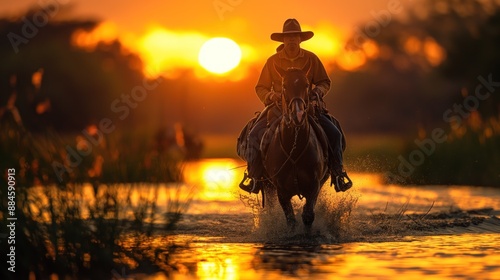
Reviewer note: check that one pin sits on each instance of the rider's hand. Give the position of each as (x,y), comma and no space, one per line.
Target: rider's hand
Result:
(275,97)
(317,91)
(315,94)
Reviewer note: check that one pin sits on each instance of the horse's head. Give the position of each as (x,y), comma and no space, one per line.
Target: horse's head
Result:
(295,93)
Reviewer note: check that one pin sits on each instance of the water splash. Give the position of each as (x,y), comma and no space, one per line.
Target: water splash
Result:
(333,223)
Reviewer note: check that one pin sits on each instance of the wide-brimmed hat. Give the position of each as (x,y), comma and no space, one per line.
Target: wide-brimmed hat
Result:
(292,26)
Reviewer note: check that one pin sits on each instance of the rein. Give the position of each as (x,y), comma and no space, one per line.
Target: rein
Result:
(294,146)
(300,99)
(286,109)
(283,149)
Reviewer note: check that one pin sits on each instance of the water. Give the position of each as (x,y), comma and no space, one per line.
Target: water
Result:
(465,256)
(228,236)
(373,231)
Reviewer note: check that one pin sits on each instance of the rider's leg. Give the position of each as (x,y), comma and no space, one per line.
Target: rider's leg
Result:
(253,155)
(334,139)
(339,176)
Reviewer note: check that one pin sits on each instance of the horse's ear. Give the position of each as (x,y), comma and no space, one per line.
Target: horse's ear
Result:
(307,67)
(280,70)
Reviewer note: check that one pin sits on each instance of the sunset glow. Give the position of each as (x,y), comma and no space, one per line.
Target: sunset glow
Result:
(165,51)
(105,32)
(168,52)
(169,43)
(327,42)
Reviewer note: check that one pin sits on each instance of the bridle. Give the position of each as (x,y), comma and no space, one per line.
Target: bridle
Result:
(297,101)
(301,104)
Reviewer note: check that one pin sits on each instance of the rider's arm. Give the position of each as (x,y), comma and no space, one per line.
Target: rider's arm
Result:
(264,85)
(322,88)
(321,80)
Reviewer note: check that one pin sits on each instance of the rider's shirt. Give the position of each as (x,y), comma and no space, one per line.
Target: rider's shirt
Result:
(270,79)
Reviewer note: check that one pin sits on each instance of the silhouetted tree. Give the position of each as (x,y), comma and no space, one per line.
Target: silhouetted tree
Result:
(425,62)
(77,85)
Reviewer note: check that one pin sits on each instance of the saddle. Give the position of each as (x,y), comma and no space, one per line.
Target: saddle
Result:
(242,142)
(273,118)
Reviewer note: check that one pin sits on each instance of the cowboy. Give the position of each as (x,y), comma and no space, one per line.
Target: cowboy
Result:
(268,89)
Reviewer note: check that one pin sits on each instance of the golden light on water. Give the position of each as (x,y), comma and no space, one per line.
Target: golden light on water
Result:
(216,268)
(211,182)
(215,178)
(443,257)
(215,183)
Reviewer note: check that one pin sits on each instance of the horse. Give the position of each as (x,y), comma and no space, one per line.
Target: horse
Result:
(295,158)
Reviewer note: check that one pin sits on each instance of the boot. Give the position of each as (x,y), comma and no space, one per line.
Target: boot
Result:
(253,180)
(341,181)
(249,184)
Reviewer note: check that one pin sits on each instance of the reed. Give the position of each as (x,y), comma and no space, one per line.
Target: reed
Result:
(98,219)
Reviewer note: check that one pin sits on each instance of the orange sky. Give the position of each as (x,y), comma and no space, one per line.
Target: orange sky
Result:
(171,32)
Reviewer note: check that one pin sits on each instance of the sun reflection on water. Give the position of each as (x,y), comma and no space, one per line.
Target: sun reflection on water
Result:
(212,185)
(466,256)
(216,179)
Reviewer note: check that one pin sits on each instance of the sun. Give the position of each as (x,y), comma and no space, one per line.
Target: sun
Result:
(219,55)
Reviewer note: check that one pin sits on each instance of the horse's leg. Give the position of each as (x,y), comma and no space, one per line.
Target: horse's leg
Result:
(271,196)
(287,207)
(308,212)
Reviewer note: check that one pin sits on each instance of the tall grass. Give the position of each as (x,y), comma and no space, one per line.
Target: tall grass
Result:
(98,218)
(470,155)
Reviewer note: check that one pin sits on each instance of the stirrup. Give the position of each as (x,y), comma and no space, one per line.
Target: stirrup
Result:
(341,185)
(249,184)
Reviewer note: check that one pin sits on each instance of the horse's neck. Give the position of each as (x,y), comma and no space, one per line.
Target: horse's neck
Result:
(293,137)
